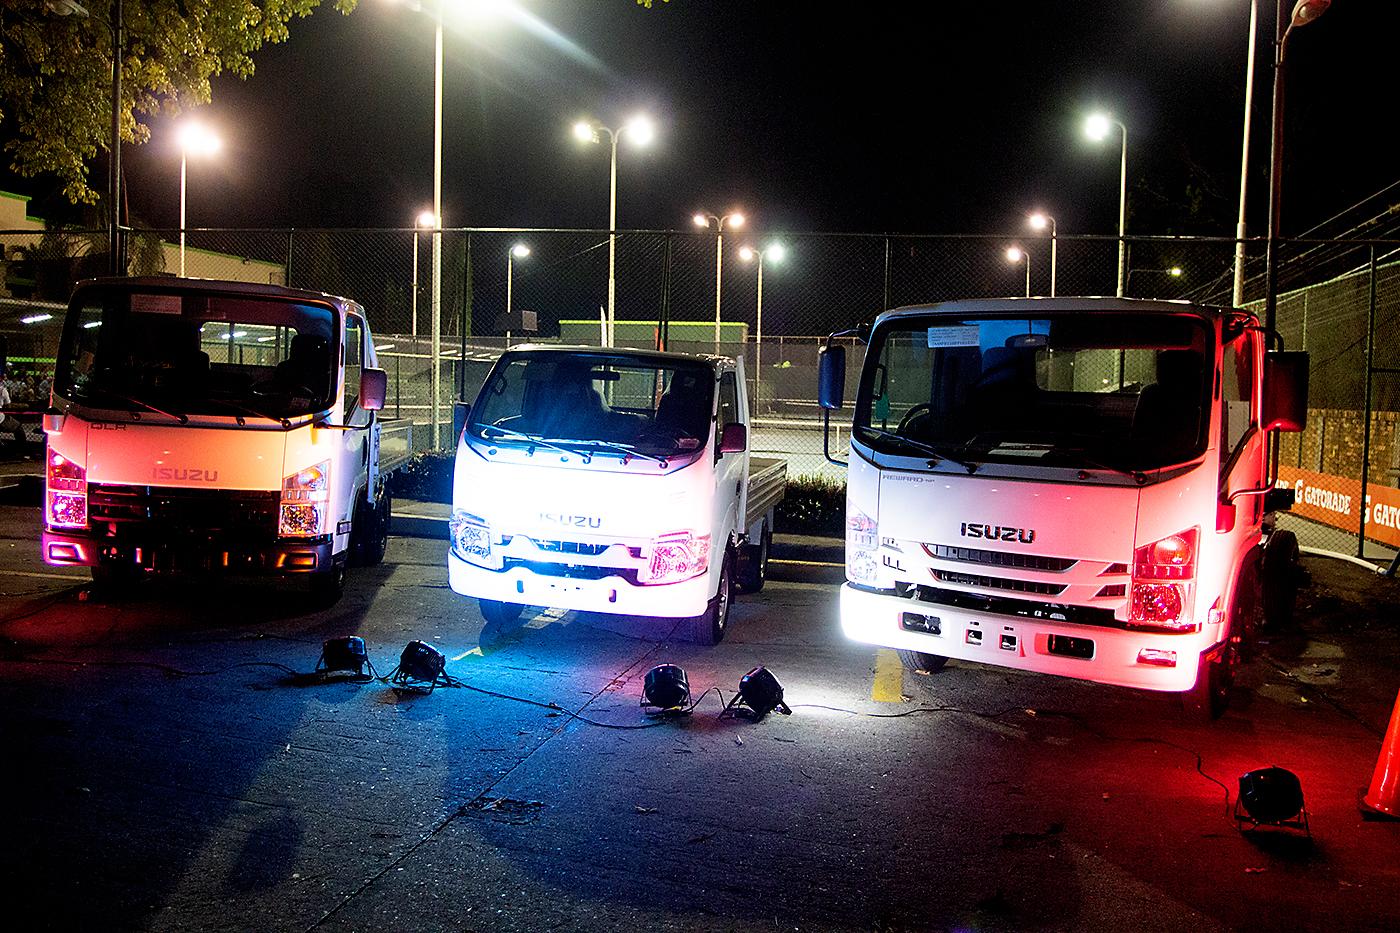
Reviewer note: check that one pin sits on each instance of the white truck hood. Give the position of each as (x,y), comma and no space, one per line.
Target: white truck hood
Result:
(185,456)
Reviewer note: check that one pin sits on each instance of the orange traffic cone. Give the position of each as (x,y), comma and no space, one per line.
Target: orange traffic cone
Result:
(1381,801)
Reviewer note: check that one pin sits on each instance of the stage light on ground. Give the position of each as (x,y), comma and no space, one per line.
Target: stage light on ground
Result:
(1271,797)
(666,689)
(759,694)
(421,667)
(345,655)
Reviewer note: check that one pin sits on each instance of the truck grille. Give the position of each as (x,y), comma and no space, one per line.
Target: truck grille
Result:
(1005,605)
(570,547)
(998,583)
(163,511)
(969,555)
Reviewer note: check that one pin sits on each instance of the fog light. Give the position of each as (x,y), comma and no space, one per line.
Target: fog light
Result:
(1158,656)
(667,690)
(759,694)
(1271,797)
(421,668)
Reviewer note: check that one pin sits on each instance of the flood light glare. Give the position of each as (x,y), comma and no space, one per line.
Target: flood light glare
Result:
(640,131)
(1174,271)
(667,689)
(747,253)
(759,694)
(584,132)
(1014,254)
(1097,127)
(776,252)
(736,220)
(1038,221)
(520,251)
(197,139)
(700,220)
(426,219)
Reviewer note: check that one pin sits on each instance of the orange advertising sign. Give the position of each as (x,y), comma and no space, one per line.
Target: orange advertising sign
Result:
(1336,501)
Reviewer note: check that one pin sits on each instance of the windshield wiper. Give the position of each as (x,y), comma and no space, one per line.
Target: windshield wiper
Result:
(512,434)
(136,415)
(628,450)
(239,406)
(938,453)
(1138,476)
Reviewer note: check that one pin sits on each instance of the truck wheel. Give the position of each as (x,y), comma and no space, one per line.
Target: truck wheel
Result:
(379,536)
(1215,677)
(1247,617)
(369,534)
(753,570)
(497,613)
(708,627)
(1280,579)
(919,661)
(328,585)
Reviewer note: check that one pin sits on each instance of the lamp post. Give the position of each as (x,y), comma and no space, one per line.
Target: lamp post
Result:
(1097,128)
(1173,271)
(1237,293)
(775,252)
(735,220)
(1014,255)
(518,251)
(424,219)
(640,131)
(1303,13)
(194,138)
(1039,221)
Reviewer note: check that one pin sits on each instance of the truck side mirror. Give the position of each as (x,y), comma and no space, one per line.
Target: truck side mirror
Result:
(1285,390)
(831,377)
(374,388)
(733,439)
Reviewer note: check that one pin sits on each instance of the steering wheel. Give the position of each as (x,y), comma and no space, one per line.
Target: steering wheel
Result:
(921,409)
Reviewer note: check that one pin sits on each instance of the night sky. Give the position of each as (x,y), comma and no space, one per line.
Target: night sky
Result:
(928,117)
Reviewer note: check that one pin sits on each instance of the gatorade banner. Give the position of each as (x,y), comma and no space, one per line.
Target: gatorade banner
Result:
(1336,501)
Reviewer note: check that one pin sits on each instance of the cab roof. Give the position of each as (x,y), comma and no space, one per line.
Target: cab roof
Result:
(659,355)
(1033,306)
(217,286)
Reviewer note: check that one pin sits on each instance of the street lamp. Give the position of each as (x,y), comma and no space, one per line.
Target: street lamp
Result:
(735,220)
(1097,127)
(424,219)
(194,138)
(641,132)
(775,252)
(1303,13)
(1014,255)
(1173,271)
(518,251)
(1039,221)
(1237,293)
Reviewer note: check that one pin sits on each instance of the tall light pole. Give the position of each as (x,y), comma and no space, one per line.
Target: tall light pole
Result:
(735,220)
(1097,127)
(1237,294)
(1014,255)
(194,138)
(775,252)
(518,251)
(1039,221)
(640,131)
(424,219)
(1303,13)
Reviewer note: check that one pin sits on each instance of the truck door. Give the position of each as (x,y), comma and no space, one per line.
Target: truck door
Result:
(730,469)
(359,445)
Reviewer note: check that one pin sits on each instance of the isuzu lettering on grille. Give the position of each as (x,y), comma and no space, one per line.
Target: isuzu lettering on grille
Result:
(184,474)
(573,521)
(997,532)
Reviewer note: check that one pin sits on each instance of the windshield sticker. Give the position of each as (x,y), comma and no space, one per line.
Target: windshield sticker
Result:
(962,335)
(156,304)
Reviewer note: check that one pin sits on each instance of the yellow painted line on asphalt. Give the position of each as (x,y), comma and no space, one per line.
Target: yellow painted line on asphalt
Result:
(78,578)
(889,678)
(804,563)
(466,654)
(547,617)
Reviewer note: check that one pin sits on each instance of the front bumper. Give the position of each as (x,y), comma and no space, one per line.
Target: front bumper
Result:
(1015,641)
(610,593)
(75,549)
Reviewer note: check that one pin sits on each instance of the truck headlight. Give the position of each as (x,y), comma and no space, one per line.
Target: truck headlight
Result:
(67,492)
(675,557)
(304,496)
(471,537)
(862,547)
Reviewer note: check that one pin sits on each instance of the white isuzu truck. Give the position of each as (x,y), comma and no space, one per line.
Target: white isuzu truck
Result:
(215,426)
(611,480)
(1076,486)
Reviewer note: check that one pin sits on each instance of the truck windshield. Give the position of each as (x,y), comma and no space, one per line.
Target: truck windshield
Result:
(1126,391)
(186,352)
(658,407)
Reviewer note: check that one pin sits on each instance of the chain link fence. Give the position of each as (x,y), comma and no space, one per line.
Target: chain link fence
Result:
(1340,300)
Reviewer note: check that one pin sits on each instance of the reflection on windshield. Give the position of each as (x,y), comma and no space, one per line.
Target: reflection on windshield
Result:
(652,408)
(1120,392)
(192,353)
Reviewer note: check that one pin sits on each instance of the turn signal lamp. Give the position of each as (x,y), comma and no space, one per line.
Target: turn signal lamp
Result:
(304,497)
(1161,588)
(67,492)
(676,557)
(862,542)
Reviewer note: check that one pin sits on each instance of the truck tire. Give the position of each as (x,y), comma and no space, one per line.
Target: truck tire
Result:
(920,661)
(373,541)
(499,614)
(1279,581)
(753,567)
(708,627)
(1215,677)
(327,586)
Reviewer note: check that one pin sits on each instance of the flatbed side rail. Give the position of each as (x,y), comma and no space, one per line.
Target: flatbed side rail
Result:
(395,444)
(767,486)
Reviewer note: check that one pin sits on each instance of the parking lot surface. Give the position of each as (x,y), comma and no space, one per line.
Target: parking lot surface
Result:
(168,768)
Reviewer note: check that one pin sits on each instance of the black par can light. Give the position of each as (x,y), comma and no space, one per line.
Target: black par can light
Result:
(666,689)
(759,694)
(421,667)
(1271,797)
(345,655)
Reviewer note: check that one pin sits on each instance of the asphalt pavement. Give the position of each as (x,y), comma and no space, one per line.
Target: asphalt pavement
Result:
(169,767)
